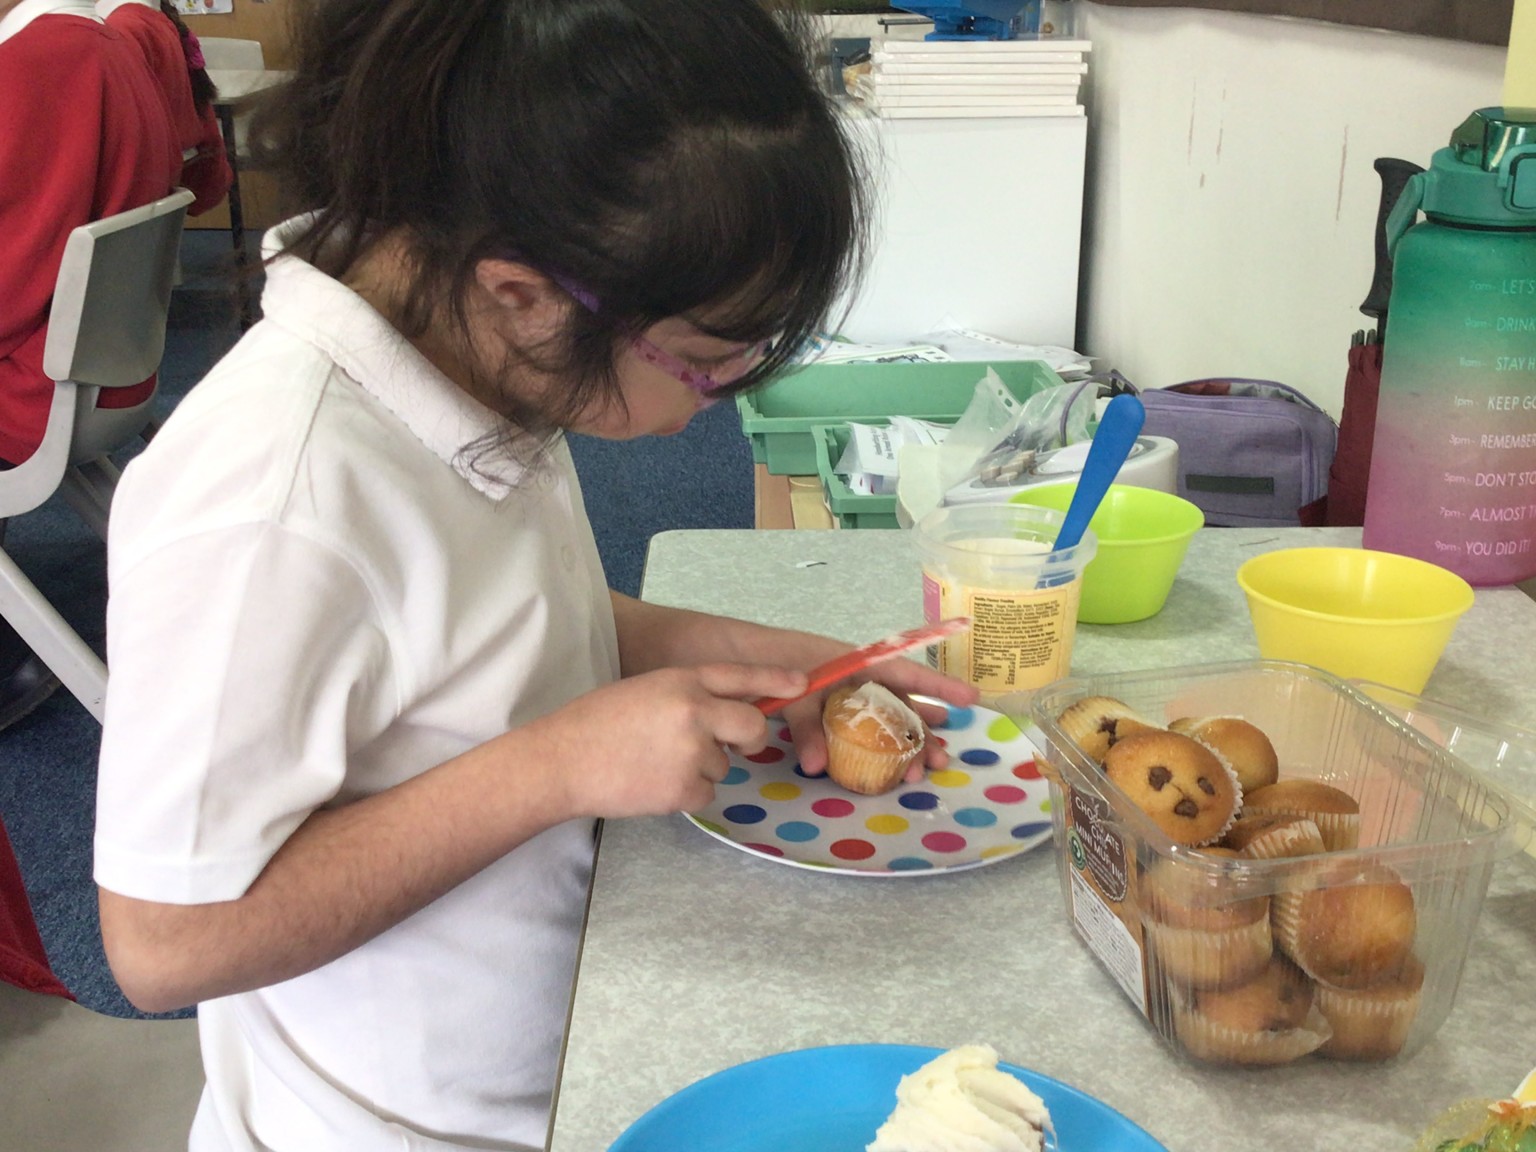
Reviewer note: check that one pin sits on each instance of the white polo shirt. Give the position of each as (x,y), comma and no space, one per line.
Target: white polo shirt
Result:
(317,592)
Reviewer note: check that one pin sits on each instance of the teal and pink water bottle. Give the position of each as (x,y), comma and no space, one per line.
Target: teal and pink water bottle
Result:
(1453,461)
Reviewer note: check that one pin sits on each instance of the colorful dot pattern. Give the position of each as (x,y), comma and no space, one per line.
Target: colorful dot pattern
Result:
(989,804)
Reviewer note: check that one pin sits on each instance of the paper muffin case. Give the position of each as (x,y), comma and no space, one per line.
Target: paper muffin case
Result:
(1370,1023)
(862,770)
(1210,957)
(1303,838)
(1340,830)
(1205,1039)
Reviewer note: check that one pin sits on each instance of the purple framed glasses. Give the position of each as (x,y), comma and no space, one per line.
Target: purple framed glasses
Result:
(704,383)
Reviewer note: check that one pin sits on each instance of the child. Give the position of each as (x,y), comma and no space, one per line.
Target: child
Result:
(82,135)
(175,60)
(369,692)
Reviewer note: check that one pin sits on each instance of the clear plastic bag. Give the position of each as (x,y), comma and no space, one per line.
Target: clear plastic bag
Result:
(997,437)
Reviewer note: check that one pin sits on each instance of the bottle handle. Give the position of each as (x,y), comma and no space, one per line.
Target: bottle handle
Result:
(1395,175)
(1405,211)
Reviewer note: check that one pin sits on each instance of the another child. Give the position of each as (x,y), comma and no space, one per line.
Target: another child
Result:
(171,51)
(369,690)
(83,134)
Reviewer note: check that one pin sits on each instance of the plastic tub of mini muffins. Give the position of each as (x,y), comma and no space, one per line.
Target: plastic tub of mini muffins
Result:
(1272,865)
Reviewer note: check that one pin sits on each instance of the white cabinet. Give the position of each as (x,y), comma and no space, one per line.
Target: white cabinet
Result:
(979,220)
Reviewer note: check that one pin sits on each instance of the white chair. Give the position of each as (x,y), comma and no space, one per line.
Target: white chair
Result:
(106,329)
(235,67)
(225,53)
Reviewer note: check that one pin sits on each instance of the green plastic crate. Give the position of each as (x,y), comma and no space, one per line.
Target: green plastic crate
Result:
(779,419)
(852,509)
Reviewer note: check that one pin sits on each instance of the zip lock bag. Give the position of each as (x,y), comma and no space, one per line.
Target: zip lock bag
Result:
(1252,453)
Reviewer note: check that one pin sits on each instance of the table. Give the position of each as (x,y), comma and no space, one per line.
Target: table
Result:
(698,956)
(233,85)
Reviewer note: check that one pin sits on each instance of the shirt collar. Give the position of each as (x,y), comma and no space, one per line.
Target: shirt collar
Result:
(322,311)
(29,10)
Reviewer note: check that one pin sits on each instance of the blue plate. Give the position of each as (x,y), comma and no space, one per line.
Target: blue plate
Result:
(833,1099)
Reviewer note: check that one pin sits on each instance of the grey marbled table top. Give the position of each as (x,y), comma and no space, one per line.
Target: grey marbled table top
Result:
(698,956)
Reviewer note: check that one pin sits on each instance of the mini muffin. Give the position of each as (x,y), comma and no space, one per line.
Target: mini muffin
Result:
(1180,893)
(1354,932)
(1238,742)
(1199,958)
(1335,812)
(872,735)
(1371,1023)
(1200,936)
(1185,787)
(1097,723)
(1273,836)
(1270,1019)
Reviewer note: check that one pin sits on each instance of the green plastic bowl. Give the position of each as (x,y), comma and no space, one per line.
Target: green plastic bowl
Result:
(1143,535)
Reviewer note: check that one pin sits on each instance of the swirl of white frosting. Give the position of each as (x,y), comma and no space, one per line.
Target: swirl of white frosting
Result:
(962,1102)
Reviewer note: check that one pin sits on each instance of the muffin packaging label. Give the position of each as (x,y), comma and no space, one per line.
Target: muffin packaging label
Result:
(1102,910)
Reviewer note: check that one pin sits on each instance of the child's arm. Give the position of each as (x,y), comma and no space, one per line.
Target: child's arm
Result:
(654,636)
(642,746)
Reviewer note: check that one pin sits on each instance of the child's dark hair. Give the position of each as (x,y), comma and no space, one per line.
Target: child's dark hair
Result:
(664,155)
(203,90)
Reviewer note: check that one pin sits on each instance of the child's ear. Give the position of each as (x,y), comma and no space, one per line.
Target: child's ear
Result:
(525,299)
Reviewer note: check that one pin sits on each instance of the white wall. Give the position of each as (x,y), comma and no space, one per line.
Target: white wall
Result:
(1231,199)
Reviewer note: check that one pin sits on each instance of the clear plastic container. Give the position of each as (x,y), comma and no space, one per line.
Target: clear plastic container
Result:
(1503,753)
(1427,823)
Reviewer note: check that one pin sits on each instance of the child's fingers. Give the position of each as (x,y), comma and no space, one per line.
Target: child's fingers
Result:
(804,720)
(914,679)
(750,681)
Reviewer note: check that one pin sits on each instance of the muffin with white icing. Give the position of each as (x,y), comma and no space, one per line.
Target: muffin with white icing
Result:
(962,1101)
(872,735)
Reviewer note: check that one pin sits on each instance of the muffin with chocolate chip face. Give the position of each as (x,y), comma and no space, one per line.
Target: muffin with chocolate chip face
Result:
(1097,723)
(1187,789)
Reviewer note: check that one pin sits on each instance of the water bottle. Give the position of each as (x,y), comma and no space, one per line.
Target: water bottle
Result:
(1453,460)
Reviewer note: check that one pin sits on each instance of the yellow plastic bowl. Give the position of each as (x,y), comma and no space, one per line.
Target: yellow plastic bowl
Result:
(1354,612)
(1143,535)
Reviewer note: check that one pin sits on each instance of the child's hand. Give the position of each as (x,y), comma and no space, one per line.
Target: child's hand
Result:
(653,744)
(906,678)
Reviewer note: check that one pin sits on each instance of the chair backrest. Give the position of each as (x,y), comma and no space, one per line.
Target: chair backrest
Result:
(226,52)
(107,324)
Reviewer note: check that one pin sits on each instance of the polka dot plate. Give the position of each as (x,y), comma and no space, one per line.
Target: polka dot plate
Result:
(988,805)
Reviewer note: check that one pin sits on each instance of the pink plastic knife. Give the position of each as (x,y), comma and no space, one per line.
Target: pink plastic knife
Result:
(861,658)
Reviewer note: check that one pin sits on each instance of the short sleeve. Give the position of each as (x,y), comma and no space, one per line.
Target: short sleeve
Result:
(246,665)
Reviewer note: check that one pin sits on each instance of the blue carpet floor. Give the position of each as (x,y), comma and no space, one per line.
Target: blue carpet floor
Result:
(701,478)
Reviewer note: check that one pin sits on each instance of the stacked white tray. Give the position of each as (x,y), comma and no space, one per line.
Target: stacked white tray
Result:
(919,79)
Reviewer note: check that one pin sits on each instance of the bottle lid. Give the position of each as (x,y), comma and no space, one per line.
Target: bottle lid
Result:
(1487,177)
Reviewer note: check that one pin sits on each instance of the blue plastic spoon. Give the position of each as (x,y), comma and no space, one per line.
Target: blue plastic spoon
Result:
(1112,443)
